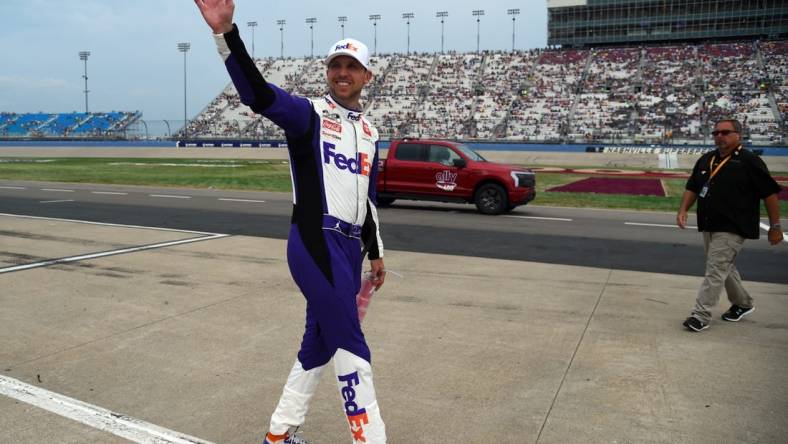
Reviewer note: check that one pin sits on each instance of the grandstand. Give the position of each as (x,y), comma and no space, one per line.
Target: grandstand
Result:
(111,125)
(627,72)
(644,94)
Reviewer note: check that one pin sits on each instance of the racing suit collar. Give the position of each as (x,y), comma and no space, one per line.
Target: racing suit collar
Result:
(345,111)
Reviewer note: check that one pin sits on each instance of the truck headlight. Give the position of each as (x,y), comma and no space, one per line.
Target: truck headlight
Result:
(525,179)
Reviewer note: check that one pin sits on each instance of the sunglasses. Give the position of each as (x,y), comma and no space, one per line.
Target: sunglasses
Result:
(722,132)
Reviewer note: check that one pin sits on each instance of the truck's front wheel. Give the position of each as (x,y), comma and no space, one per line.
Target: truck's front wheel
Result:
(491,199)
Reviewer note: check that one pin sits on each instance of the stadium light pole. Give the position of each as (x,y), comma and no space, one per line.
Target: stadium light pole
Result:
(83,55)
(184,48)
(342,19)
(311,22)
(374,18)
(407,16)
(441,15)
(281,24)
(478,13)
(252,25)
(513,13)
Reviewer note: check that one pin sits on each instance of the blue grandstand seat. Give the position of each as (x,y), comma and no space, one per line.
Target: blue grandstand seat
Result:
(65,124)
(62,124)
(26,123)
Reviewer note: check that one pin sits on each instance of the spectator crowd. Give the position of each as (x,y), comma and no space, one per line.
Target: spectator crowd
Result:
(651,94)
(628,95)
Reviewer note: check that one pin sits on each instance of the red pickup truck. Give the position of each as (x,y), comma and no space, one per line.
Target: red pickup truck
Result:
(444,171)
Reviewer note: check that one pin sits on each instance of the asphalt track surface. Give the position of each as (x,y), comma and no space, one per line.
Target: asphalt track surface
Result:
(624,240)
(189,339)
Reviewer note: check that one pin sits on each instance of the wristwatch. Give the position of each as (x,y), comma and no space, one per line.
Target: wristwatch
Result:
(777,225)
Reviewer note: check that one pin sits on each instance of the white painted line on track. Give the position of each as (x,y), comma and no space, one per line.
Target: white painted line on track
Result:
(169,196)
(13,188)
(97,417)
(109,192)
(56,201)
(765,228)
(107,224)
(656,225)
(241,200)
(83,257)
(559,219)
(57,190)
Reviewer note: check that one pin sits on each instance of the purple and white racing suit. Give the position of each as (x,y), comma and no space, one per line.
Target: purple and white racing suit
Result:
(333,157)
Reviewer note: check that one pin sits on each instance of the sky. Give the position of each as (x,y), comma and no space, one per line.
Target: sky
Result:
(135,64)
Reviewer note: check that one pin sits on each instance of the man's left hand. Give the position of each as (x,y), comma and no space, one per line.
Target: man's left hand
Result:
(775,236)
(378,271)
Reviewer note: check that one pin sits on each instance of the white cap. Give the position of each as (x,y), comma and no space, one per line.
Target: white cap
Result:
(352,48)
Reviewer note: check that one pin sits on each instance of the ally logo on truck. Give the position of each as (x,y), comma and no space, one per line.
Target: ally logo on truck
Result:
(446,180)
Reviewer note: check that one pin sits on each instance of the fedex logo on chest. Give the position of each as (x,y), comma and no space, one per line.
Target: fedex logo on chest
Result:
(358,165)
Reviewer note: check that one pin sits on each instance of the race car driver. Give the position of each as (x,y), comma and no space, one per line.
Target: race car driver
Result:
(333,157)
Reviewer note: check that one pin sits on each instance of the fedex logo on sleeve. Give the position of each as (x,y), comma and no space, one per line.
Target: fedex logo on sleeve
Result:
(358,165)
(356,416)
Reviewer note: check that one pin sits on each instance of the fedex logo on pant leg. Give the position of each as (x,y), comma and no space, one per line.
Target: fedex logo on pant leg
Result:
(358,165)
(356,416)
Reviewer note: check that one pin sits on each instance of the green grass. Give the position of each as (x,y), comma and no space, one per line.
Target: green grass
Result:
(274,175)
(271,175)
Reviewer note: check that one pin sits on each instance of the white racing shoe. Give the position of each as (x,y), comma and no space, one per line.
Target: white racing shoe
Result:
(296,440)
(293,438)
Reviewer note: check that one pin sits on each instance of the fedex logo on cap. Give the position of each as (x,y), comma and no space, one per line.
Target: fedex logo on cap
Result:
(358,165)
(356,416)
(349,46)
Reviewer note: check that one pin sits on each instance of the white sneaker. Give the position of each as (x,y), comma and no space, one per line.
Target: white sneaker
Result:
(295,440)
(291,439)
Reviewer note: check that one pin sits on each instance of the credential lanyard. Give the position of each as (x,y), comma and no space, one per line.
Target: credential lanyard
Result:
(724,161)
(719,167)
(713,172)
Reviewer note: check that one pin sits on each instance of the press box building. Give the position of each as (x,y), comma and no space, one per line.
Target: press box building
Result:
(585,23)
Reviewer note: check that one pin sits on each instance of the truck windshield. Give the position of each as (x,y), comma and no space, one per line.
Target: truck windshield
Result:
(473,155)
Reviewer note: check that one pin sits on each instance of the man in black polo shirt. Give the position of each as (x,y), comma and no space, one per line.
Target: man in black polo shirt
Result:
(728,184)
